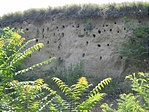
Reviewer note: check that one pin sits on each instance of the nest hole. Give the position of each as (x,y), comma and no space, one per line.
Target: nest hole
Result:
(100,57)
(47,28)
(42,30)
(63,34)
(94,35)
(78,26)
(36,40)
(63,26)
(47,42)
(99,45)
(86,43)
(83,55)
(27,29)
(99,31)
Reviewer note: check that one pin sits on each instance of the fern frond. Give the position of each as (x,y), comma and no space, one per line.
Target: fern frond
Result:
(99,87)
(90,102)
(26,53)
(56,102)
(36,65)
(23,46)
(64,87)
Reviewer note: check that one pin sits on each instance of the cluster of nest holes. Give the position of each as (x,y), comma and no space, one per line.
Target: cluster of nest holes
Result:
(59,46)
(99,45)
(105,25)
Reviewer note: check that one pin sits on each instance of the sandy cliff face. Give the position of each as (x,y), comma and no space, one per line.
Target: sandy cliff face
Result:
(93,40)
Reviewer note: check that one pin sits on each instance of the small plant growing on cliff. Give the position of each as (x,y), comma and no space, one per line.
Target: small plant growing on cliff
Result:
(88,25)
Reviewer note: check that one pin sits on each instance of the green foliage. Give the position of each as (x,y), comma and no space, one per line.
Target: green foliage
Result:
(138,102)
(81,11)
(76,92)
(14,95)
(135,49)
(12,52)
(27,96)
(69,74)
(88,25)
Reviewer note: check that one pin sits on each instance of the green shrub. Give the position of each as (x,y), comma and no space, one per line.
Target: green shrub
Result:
(135,50)
(133,102)
(75,94)
(13,96)
(68,74)
(88,25)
